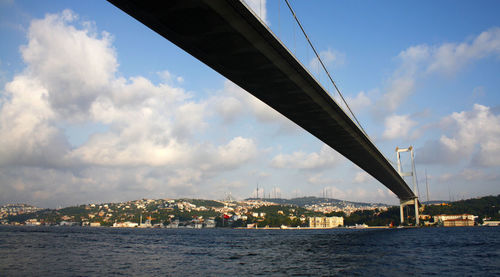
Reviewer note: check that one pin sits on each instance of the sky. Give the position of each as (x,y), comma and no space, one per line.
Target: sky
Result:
(95,107)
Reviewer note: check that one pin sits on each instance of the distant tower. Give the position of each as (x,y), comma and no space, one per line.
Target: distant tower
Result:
(229,197)
(427,186)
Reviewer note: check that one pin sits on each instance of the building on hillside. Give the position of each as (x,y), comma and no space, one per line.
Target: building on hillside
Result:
(326,222)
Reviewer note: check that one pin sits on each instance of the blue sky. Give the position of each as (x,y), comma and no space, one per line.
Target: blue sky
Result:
(95,107)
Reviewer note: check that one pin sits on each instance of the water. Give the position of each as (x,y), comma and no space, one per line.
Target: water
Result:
(79,251)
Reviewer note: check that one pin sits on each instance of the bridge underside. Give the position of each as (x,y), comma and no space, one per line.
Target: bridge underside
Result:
(226,36)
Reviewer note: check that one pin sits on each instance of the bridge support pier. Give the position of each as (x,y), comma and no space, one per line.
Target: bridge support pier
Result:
(404,203)
(413,174)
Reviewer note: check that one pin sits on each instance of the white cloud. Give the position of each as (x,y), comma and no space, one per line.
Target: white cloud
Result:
(475,175)
(330,57)
(359,103)
(74,65)
(168,78)
(318,179)
(259,109)
(402,82)
(233,102)
(451,57)
(472,136)
(326,158)
(477,128)
(239,150)
(421,60)
(362,177)
(399,90)
(259,8)
(398,126)
(150,143)
(26,135)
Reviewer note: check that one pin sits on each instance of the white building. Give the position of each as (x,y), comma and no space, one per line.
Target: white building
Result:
(209,223)
(326,222)
(126,224)
(442,217)
(491,223)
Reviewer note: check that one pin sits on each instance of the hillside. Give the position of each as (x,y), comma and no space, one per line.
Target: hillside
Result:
(484,207)
(312,200)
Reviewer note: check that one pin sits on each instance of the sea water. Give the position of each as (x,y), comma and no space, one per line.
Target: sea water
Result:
(86,251)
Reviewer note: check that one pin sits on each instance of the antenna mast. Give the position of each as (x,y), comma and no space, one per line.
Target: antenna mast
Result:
(427,186)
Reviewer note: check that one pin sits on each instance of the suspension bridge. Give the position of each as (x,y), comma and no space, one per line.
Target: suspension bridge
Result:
(227,36)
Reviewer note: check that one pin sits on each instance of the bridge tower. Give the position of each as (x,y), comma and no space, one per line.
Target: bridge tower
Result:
(406,202)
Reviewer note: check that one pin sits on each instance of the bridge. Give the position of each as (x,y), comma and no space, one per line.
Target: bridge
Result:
(229,38)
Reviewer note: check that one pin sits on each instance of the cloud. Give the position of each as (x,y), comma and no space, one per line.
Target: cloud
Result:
(402,82)
(469,176)
(451,57)
(74,65)
(151,140)
(259,8)
(233,103)
(326,158)
(472,136)
(359,103)
(239,150)
(398,126)
(362,177)
(330,57)
(27,136)
(169,78)
(419,61)
(476,175)
(318,179)
(399,90)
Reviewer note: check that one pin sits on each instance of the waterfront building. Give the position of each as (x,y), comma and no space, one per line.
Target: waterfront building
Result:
(126,224)
(491,223)
(32,222)
(68,223)
(455,220)
(210,223)
(173,224)
(459,222)
(443,217)
(326,222)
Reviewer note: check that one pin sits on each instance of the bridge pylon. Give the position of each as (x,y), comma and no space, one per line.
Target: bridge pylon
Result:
(414,201)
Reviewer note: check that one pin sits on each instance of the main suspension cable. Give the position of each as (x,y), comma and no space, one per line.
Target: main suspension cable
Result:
(324,67)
